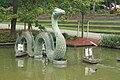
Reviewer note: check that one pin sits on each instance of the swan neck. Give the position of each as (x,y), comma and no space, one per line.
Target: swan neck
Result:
(55,25)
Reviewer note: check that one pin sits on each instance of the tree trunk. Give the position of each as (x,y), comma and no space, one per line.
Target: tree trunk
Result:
(13,21)
(115,2)
(13,27)
(115,5)
(29,26)
(25,26)
(82,34)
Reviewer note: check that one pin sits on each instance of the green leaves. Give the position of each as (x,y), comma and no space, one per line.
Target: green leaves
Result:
(111,41)
(82,6)
(6,13)
(118,12)
(28,12)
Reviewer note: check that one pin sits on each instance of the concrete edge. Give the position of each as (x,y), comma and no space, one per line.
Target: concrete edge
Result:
(7,44)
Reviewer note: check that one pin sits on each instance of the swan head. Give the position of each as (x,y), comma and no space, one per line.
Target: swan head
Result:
(58,12)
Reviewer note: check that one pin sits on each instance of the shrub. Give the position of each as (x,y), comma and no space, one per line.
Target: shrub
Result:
(110,41)
(102,11)
(68,37)
(118,11)
(65,35)
(5,36)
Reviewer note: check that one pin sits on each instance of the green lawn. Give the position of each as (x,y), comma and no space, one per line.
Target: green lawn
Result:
(101,26)
(104,20)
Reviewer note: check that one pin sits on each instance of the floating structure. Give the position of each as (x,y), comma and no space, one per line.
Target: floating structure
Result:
(62,61)
(91,61)
(20,52)
(89,57)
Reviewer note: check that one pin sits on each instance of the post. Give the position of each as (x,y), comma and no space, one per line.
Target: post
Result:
(78,28)
(88,28)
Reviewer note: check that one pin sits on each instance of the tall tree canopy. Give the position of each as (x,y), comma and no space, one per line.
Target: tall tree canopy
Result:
(83,8)
(29,11)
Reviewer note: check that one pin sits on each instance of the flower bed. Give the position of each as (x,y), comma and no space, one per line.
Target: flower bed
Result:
(82,42)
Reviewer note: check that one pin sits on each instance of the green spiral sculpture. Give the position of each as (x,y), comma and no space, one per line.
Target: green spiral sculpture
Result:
(53,52)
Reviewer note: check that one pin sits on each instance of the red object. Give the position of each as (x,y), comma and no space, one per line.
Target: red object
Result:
(5,29)
(82,41)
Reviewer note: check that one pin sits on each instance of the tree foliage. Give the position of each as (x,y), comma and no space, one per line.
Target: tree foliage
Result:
(6,13)
(6,3)
(81,7)
(29,10)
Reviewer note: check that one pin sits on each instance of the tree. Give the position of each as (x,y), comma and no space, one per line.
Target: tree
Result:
(5,13)
(14,19)
(83,8)
(95,3)
(29,11)
(8,12)
(71,7)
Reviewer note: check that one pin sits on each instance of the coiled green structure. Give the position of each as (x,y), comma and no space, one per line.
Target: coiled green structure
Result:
(34,47)
(53,52)
(28,37)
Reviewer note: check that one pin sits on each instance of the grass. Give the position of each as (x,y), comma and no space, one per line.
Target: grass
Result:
(105,21)
(6,22)
(102,26)
(69,25)
(59,20)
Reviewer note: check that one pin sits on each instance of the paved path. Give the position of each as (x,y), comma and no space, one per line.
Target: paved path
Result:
(70,32)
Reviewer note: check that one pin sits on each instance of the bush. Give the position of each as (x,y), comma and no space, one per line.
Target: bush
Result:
(5,36)
(68,37)
(102,11)
(110,41)
(118,12)
(65,35)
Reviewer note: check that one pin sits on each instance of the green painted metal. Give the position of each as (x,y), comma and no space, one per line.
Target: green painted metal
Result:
(53,52)
(26,35)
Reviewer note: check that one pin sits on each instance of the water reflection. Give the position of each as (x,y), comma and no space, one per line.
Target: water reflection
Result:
(55,73)
(20,63)
(26,68)
(90,70)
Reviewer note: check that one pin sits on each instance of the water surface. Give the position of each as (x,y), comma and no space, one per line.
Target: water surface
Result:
(25,68)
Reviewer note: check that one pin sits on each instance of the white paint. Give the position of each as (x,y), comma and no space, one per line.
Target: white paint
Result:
(20,47)
(90,52)
(86,52)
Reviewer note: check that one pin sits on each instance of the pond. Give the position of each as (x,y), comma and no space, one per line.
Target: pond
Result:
(76,69)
